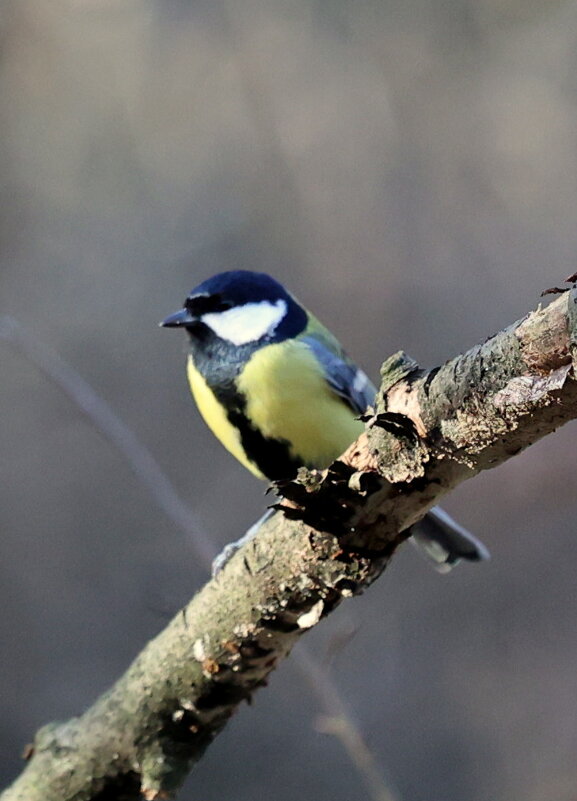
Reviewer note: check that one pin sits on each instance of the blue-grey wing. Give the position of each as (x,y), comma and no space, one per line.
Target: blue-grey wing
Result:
(344,377)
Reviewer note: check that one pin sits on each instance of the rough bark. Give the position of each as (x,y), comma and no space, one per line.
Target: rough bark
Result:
(336,532)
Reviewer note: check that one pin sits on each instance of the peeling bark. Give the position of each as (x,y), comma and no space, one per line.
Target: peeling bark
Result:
(430,431)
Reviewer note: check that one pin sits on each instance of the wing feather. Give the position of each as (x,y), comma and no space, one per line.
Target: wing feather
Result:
(347,380)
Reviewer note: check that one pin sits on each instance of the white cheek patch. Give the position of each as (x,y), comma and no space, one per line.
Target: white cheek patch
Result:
(246,323)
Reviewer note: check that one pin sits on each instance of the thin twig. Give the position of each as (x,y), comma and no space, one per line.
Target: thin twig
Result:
(338,721)
(110,426)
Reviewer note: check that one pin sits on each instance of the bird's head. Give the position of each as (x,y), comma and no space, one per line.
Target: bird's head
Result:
(240,308)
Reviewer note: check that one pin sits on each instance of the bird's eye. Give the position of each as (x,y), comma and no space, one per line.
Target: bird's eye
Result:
(204,304)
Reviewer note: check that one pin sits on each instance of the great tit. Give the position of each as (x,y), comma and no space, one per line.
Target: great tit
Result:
(277,389)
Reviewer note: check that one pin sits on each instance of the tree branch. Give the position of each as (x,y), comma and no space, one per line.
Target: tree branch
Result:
(430,431)
(105,421)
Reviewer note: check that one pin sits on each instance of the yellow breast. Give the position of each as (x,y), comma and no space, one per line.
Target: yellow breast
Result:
(289,399)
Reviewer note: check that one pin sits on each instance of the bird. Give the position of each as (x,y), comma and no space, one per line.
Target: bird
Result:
(279,392)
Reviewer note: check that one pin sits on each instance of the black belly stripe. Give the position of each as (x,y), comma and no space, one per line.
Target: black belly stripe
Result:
(271,456)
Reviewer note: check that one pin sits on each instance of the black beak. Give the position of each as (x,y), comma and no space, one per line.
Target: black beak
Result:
(178,319)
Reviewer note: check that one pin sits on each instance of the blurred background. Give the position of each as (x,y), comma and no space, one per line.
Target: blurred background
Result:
(409,169)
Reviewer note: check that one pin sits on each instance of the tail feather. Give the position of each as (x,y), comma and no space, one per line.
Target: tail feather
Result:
(445,542)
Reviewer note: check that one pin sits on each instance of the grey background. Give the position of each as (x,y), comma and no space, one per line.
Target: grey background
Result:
(409,169)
